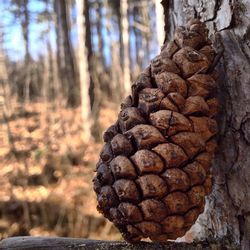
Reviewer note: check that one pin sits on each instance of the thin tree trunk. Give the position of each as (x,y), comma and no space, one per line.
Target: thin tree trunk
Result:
(60,52)
(93,66)
(159,23)
(147,32)
(55,69)
(115,66)
(83,71)
(227,212)
(139,52)
(47,80)
(138,42)
(125,42)
(25,30)
(66,61)
(99,33)
(119,21)
(88,42)
(5,142)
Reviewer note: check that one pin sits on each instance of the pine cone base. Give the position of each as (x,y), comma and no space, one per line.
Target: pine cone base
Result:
(153,174)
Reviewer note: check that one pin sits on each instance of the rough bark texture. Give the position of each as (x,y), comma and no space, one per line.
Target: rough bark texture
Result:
(227,211)
(44,243)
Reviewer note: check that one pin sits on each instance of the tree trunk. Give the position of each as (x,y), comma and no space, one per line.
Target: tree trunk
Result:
(88,42)
(227,212)
(60,243)
(94,84)
(59,52)
(125,43)
(146,33)
(4,126)
(83,71)
(25,30)
(138,46)
(114,87)
(66,61)
(99,27)
(159,23)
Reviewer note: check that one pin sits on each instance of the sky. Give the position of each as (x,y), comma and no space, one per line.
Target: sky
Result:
(13,40)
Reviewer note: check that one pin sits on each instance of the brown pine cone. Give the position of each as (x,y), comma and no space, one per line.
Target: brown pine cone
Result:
(153,172)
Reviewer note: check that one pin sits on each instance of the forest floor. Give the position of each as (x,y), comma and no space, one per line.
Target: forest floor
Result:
(46,175)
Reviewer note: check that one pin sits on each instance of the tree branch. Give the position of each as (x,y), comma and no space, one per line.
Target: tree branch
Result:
(57,243)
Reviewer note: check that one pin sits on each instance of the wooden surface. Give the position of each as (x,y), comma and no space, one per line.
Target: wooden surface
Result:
(56,243)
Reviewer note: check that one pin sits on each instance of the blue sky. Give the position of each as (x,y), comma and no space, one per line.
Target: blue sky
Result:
(13,40)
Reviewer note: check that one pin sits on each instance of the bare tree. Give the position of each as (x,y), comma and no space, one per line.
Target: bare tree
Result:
(115,84)
(21,12)
(159,22)
(66,60)
(99,32)
(83,71)
(227,212)
(25,28)
(4,126)
(125,43)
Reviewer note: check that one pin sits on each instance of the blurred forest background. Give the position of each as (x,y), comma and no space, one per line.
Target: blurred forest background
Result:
(65,66)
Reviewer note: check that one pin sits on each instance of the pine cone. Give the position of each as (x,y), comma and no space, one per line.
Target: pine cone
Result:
(153,174)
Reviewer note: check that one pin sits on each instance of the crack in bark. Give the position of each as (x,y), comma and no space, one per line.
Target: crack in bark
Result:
(245,119)
(216,8)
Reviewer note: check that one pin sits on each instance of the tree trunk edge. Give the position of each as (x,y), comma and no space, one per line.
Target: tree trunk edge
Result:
(227,212)
(56,243)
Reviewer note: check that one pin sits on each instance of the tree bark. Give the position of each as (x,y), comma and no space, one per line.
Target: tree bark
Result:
(66,61)
(146,33)
(94,64)
(138,45)
(159,23)
(115,84)
(227,212)
(99,28)
(56,243)
(5,142)
(83,72)
(88,41)
(25,30)
(59,51)
(125,43)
